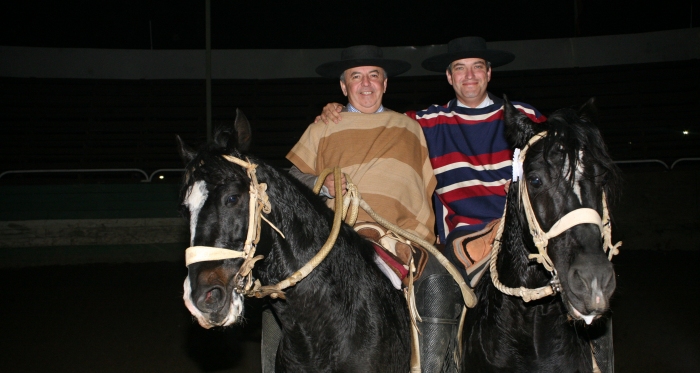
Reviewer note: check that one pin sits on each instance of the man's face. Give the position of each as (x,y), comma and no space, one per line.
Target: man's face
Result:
(364,86)
(469,77)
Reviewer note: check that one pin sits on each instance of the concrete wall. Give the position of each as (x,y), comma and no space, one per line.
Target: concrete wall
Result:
(79,224)
(22,62)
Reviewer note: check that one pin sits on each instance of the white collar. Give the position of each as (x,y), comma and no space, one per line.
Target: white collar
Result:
(487,102)
(352,109)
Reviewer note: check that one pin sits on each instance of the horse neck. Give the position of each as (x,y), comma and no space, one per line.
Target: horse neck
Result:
(301,216)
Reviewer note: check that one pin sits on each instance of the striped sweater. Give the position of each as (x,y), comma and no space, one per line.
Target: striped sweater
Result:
(385,155)
(472,163)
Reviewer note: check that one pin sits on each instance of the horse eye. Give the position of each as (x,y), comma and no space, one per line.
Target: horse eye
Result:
(535,181)
(232,199)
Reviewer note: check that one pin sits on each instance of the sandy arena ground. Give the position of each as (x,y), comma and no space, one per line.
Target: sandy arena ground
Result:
(131,318)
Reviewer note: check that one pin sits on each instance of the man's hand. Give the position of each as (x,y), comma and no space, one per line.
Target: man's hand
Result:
(330,184)
(331,112)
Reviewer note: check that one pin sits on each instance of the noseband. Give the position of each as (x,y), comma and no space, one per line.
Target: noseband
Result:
(541,238)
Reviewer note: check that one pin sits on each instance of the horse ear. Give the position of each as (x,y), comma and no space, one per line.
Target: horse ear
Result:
(186,153)
(519,128)
(233,137)
(589,111)
(242,127)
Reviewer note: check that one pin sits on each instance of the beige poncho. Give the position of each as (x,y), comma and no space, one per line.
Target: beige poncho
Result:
(385,155)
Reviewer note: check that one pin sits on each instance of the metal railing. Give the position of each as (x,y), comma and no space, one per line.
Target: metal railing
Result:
(147,178)
(640,161)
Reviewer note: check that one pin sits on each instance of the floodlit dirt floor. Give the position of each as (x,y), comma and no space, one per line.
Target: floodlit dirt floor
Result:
(131,318)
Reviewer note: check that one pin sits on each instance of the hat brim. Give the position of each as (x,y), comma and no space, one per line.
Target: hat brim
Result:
(440,62)
(335,68)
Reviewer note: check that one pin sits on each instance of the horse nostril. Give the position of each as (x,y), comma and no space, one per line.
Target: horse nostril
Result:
(213,296)
(212,299)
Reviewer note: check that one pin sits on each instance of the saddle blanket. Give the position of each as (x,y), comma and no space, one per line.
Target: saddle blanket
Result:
(473,251)
(394,254)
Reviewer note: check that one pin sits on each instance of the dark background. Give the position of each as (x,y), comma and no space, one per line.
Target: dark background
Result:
(295,24)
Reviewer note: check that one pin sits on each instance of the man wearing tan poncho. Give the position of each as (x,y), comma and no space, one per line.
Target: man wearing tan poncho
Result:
(385,155)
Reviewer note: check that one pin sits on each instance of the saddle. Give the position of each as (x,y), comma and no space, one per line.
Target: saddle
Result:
(397,255)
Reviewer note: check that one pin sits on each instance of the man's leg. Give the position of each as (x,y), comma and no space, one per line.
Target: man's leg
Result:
(271,336)
(439,303)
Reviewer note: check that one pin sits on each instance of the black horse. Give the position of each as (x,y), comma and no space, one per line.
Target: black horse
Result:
(344,317)
(567,169)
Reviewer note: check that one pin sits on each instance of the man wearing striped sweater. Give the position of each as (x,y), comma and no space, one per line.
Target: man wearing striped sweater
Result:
(469,153)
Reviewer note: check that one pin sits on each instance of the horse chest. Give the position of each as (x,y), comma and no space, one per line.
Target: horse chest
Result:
(505,334)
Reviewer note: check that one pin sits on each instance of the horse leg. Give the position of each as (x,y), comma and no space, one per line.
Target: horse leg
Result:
(270,341)
(438,300)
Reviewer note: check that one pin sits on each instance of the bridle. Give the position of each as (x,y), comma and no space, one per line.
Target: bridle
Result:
(541,238)
(259,203)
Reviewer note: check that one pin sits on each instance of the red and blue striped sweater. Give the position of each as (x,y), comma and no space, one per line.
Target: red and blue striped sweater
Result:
(472,163)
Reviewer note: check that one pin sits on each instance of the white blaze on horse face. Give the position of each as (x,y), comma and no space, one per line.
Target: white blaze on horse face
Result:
(596,293)
(578,175)
(196,196)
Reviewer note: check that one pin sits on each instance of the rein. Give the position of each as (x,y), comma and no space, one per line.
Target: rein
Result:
(353,197)
(259,203)
(541,238)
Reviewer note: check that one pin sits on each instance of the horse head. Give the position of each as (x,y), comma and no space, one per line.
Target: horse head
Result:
(567,176)
(214,198)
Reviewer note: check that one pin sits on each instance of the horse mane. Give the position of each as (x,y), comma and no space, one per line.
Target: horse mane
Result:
(569,130)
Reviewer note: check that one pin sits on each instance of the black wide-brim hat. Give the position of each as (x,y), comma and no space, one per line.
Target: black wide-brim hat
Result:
(467,47)
(362,55)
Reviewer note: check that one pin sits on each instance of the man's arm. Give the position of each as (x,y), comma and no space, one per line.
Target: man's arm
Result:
(331,113)
(328,188)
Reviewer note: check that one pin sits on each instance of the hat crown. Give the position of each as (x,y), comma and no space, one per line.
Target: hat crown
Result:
(467,43)
(361,52)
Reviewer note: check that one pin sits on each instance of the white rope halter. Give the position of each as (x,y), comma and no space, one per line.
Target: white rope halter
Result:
(541,238)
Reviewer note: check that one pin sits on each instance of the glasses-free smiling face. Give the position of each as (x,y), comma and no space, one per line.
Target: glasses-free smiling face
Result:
(469,77)
(364,86)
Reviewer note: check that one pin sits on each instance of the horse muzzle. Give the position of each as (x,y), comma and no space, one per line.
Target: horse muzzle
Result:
(590,283)
(213,305)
